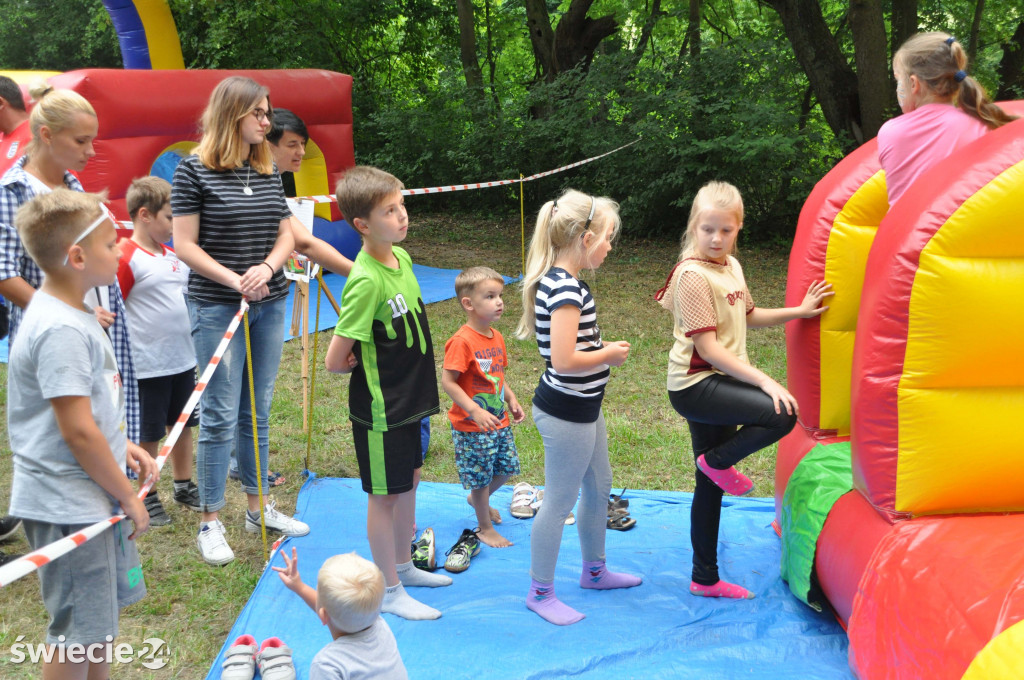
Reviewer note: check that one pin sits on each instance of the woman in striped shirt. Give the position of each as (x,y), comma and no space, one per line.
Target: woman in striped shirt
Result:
(572,233)
(231,226)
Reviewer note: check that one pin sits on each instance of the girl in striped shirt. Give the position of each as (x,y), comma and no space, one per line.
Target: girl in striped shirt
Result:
(572,233)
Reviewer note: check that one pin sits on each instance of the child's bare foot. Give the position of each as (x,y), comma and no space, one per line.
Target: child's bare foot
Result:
(492,511)
(493,538)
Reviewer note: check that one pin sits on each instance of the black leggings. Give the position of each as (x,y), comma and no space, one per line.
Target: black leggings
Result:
(713,409)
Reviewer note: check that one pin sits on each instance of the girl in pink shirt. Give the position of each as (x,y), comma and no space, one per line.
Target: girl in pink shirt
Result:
(943,109)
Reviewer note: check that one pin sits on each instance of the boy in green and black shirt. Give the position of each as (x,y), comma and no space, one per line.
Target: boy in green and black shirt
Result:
(383,339)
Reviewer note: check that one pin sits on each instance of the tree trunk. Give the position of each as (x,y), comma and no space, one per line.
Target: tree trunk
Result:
(833,81)
(1011,67)
(693,29)
(645,33)
(467,49)
(869,46)
(542,38)
(972,39)
(491,65)
(577,36)
(904,23)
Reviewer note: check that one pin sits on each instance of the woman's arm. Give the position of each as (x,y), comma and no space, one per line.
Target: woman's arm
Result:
(259,275)
(818,291)
(565,359)
(318,250)
(711,350)
(186,247)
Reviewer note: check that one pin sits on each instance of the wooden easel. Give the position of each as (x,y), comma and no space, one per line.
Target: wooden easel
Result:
(300,328)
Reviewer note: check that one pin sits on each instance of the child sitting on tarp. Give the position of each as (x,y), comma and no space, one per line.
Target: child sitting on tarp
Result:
(347,599)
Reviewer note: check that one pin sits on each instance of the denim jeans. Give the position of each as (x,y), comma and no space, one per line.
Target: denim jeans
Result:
(224,409)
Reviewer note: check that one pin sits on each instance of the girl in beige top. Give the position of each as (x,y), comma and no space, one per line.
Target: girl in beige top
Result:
(710,380)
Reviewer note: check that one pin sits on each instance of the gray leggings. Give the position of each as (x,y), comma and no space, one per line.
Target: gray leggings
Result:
(575,463)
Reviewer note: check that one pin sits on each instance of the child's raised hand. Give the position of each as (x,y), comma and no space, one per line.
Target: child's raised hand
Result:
(290,572)
(616,352)
(780,396)
(818,291)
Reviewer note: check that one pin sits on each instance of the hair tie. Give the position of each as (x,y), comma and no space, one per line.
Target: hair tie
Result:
(959,76)
(950,40)
(554,206)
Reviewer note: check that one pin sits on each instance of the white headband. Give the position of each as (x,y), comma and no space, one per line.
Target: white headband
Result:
(104,216)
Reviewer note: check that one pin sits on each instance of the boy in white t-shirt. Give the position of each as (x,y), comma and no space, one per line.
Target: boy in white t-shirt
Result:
(66,422)
(152,279)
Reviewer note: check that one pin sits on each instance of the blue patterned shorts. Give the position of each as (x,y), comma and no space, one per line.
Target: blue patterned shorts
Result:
(479,456)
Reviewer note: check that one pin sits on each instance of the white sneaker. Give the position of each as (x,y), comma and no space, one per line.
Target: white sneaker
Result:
(276,521)
(212,545)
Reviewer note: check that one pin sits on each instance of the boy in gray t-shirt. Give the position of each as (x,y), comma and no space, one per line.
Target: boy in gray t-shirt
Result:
(66,421)
(347,599)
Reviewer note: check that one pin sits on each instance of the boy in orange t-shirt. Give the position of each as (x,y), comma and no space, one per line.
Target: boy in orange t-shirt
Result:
(474,377)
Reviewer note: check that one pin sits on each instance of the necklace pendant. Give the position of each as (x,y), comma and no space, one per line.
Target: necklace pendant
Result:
(247,191)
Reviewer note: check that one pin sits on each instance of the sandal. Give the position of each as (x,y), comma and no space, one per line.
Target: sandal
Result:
(275,479)
(731,481)
(618,502)
(621,523)
(523,496)
(571,519)
(616,512)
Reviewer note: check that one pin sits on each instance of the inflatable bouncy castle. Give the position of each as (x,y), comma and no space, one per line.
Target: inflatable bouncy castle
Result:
(899,495)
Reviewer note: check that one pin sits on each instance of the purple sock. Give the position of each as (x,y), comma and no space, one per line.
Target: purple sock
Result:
(541,599)
(596,575)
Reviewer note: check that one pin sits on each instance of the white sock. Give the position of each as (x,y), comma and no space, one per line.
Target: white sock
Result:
(399,603)
(411,576)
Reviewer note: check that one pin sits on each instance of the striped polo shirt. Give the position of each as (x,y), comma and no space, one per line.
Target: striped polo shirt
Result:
(577,397)
(236,230)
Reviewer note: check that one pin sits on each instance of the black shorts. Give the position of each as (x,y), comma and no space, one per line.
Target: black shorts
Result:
(388,460)
(161,401)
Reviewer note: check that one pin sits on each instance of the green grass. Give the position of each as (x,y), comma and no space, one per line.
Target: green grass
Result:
(192,606)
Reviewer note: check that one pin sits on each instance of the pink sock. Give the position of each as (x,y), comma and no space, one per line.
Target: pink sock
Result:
(721,589)
(542,600)
(596,575)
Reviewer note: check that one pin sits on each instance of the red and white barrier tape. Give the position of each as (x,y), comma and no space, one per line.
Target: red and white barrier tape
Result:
(26,564)
(481,185)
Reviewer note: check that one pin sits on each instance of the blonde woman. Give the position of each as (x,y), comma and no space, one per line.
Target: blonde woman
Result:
(230,224)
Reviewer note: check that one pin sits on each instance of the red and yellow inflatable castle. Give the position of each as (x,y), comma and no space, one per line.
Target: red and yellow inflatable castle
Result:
(900,495)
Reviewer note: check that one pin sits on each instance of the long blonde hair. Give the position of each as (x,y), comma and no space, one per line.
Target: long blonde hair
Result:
(222,146)
(560,225)
(712,196)
(54,109)
(940,62)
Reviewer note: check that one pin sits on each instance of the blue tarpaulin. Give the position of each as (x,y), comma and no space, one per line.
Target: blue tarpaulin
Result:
(657,630)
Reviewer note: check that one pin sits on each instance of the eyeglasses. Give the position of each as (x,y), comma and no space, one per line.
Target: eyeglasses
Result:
(104,216)
(262,115)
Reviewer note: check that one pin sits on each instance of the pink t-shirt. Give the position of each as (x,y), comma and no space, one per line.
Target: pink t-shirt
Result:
(910,144)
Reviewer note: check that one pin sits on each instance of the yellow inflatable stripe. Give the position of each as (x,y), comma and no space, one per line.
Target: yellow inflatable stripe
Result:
(161,34)
(962,389)
(311,180)
(846,257)
(1002,658)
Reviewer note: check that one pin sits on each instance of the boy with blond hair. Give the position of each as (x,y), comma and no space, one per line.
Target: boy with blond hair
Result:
(348,599)
(66,422)
(475,360)
(383,339)
(152,279)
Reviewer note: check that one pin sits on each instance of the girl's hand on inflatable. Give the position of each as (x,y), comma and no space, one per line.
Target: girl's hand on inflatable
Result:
(290,572)
(780,397)
(616,352)
(818,291)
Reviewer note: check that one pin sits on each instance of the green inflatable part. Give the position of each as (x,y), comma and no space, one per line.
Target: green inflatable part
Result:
(824,474)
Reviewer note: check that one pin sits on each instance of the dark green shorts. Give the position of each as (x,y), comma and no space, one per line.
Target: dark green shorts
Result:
(387,460)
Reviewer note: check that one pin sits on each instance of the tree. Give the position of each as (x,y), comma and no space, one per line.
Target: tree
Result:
(467,48)
(572,43)
(1011,67)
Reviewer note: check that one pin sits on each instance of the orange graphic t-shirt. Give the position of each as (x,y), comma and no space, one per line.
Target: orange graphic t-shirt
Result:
(481,363)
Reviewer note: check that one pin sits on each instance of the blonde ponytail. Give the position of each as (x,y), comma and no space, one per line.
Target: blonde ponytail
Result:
(54,109)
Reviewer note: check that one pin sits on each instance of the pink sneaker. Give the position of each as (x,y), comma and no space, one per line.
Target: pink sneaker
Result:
(730,481)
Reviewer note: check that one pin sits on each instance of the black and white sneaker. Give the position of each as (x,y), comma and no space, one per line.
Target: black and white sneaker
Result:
(188,497)
(8,525)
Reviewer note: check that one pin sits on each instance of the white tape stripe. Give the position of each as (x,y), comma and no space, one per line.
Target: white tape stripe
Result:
(480,185)
(26,564)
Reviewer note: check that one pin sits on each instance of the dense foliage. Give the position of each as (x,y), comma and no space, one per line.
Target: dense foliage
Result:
(711,88)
